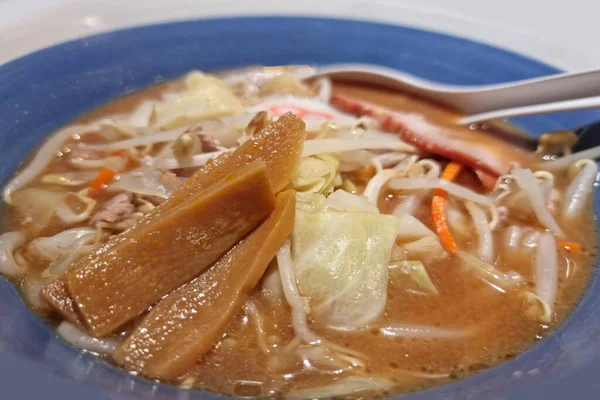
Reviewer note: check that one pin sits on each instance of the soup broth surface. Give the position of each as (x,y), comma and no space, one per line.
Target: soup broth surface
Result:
(469,326)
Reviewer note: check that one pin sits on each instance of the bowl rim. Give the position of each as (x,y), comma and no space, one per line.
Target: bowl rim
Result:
(8,68)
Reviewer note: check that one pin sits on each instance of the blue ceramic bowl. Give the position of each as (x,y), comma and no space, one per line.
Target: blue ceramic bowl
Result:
(44,90)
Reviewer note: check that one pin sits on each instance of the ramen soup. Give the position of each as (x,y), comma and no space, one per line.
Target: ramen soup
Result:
(250,234)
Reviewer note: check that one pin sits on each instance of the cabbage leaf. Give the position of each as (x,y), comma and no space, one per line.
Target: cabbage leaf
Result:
(411,276)
(341,263)
(418,241)
(205,97)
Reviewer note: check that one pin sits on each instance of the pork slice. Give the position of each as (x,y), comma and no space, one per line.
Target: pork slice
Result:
(487,153)
(117,209)
(209,143)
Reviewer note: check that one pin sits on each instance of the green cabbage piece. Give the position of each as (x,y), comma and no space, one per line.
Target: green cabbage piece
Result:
(412,276)
(341,264)
(418,241)
(205,97)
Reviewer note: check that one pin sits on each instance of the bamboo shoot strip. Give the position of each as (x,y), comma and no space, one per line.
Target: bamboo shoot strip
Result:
(118,284)
(189,321)
(279,145)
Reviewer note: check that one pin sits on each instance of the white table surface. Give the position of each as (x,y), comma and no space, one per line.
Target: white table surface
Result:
(562,33)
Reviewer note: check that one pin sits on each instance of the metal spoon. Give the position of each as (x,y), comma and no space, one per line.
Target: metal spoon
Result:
(560,92)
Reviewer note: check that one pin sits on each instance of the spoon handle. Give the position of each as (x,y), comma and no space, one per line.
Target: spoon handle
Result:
(530,92)
(472,100)
(566,105)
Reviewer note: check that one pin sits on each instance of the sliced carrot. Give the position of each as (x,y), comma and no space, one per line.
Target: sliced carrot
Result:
(119,154)
(438,208)
(101,181)
(572,247)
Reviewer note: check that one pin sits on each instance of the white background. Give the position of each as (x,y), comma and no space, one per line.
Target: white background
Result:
(562,33)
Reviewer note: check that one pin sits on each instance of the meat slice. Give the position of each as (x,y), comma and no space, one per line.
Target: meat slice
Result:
(189,321)
(477,150)
(117,209)
(209,143)
(111,287)
(279,145)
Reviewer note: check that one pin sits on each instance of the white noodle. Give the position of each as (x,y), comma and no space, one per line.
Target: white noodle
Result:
(486,241)
(139,141)
(319,146)
(450,187)
(252,310)
(80,247)
(66,214)
(73,335)
(324,90)
(407,206)
(343,388)
(69,178)
(311,148)
(423,332)
(499,280)
(546,269)
(432,167)
(387,160)
(407,163)
(496,216)
(299,305)
(196,160)
(529,184)
(9,242)
(373,189)
(114,162)
(578,191)
(324,357)
(411,202)
(531,239)
(43,157)
(564,162)
(31,288)
(51,247)
(292,294)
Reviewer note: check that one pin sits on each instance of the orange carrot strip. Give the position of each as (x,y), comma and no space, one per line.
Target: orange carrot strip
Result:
(101,181)
(119,154)
(438,208)
(572,247)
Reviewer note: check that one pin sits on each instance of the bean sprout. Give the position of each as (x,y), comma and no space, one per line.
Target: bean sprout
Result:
(528,183)
(423,332)
(546,270)
(66,214)
(299,305)
(450,187)
(252,310)
(486,241)
(9,242)
(373,189)
(578,191)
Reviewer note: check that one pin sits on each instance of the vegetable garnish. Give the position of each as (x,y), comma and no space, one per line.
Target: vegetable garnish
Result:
(438,208)
(572,247)
(101,181)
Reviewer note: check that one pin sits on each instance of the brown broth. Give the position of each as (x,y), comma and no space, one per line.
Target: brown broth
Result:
(464,302)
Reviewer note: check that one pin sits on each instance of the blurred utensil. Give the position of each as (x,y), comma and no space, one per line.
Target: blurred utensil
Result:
(560,92)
